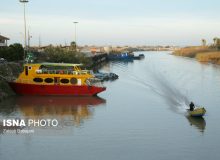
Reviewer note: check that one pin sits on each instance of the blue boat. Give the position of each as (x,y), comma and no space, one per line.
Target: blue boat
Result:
(120,56)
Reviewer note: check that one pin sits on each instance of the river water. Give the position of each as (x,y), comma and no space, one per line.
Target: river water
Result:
(142,115)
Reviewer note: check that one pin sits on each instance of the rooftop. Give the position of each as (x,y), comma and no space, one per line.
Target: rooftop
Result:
(3,38)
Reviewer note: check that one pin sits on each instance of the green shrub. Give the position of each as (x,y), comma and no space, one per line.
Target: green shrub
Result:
(13,52)
(62,55)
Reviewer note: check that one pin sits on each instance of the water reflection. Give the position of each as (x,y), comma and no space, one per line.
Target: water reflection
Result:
(108,66)
(69,111)
(121,63)
(197,122)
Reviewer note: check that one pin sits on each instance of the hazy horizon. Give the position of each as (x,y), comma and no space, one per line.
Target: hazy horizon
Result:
(105,22)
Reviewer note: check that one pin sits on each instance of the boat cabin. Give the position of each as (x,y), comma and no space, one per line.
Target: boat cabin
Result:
(54,73)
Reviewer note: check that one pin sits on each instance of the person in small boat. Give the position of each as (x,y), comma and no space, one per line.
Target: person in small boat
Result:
(191,106)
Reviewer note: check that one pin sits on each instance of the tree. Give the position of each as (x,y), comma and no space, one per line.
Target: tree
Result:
(14,52)
(203,42)
(216,42)
(17,51)
(59,55)
(73,45)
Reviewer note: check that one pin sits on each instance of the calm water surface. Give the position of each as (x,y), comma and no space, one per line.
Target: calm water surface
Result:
(140,116)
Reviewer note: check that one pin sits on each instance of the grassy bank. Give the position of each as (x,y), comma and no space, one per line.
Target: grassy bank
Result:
(213,57)
(201,53)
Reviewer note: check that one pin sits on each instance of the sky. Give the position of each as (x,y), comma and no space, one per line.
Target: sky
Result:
(112,22)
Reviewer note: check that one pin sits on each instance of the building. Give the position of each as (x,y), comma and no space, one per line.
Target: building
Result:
(3,41)
(107,49)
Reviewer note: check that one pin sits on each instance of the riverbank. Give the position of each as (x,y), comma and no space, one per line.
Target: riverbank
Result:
(9,70)
(201,53)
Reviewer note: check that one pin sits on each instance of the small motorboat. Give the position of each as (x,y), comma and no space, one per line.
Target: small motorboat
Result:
(197,112)
(106,76)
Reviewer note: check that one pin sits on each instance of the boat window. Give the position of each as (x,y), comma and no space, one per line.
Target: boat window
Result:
(38,71)
(29,68)
(45,71)
(48,80)
(61,72)
(65,81)
(69,72)
(51,72)
(73,81)
(38,80)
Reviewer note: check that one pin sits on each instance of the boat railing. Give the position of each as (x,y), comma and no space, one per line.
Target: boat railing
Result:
(69,72)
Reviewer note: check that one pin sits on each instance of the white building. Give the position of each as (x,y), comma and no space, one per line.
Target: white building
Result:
(3,41)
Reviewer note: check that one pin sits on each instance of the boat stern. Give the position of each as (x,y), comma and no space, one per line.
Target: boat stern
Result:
(198,112)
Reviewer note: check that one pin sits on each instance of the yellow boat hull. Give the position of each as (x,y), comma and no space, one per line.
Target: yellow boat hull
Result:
(198,112)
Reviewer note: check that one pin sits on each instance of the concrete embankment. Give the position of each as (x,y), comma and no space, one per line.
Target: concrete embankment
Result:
(8,71)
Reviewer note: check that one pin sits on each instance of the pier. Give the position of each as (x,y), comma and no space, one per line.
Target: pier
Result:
(99,58)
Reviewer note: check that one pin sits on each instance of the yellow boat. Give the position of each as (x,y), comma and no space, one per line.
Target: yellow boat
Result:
(197,112)
(56,79)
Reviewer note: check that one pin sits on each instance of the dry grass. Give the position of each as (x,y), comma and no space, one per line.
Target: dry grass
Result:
(191,51)
(213,57)
(202,54)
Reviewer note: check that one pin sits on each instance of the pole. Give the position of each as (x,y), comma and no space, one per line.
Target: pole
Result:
(29,38)
(75,35)
(25,33)
(39,41)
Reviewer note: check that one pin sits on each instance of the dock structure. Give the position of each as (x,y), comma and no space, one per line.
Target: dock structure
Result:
(99,58)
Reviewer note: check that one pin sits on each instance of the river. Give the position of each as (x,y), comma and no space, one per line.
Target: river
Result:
(142,115)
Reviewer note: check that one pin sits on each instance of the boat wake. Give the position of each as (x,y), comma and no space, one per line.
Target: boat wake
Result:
(177,101)
(158,82)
